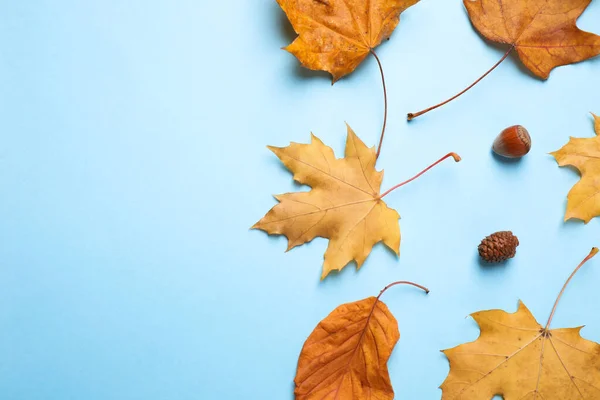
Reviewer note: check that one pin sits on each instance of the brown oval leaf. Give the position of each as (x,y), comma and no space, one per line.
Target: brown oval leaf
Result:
(346,356)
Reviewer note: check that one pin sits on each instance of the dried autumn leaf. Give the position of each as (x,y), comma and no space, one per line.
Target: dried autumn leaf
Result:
(543,32)
(517,358)
(344,205)
(583,201)
(346,356)
(336,35)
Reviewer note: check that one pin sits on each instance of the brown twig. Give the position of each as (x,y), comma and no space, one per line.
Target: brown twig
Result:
(593,252)
(412,116)
(385,103)
(402,283)
(453,155)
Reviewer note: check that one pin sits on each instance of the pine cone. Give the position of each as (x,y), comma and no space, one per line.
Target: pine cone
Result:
(498,247)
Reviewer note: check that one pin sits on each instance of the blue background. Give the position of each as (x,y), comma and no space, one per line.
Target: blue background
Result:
(133,162)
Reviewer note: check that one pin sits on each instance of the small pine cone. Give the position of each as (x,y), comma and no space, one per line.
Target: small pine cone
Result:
(498,247)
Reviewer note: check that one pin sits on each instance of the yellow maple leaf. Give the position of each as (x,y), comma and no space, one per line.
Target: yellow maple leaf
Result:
(583,201)
(344,204)
(336,35)
(518,359)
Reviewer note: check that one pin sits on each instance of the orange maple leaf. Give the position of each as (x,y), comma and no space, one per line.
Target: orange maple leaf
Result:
(583,201)
(336,35)
(544,34)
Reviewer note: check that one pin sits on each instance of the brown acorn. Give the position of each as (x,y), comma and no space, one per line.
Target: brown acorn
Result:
(513,142)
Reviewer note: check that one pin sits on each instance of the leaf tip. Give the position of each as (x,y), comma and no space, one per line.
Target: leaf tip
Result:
(571,214)
(596,124)
(349,131)
(287,48)
(274,149)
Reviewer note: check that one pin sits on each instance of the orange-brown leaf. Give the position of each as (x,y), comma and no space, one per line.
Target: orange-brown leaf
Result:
(336,35)
(516,358)
(583,201)
(344,204)
(544,32)
(346,356)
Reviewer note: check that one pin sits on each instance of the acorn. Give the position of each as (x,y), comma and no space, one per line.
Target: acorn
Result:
(513,142)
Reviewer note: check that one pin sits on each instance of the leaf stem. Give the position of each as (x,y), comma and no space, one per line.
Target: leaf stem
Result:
(593,252)
(412,116)
(385,102)
(402,283)
(453,155)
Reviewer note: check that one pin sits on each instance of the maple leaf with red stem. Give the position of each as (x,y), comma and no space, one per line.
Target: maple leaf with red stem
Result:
(345,204)
(543,33)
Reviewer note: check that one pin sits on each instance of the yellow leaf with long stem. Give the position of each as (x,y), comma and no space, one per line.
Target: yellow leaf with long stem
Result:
(345,204)
(517,358)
